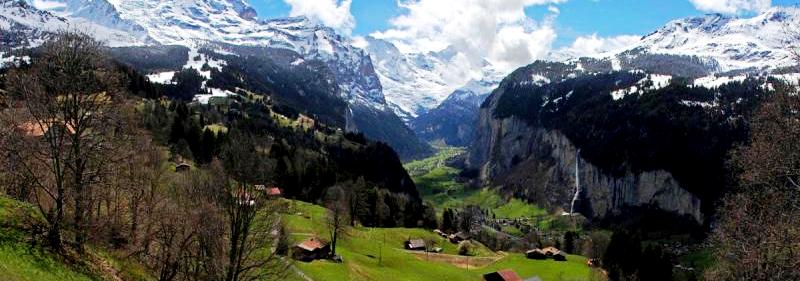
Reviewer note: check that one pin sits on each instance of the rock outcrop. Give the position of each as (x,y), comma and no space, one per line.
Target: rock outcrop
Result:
(539,165)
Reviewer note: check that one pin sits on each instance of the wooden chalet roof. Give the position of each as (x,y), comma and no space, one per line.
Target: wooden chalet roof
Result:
(505,275)
(274,191)
(312,244)
(416,243)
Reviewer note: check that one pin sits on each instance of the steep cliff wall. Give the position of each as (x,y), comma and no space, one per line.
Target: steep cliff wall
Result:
(539,165)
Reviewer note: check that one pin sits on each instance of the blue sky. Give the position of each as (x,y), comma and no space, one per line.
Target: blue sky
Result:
(507,33)
(576,17)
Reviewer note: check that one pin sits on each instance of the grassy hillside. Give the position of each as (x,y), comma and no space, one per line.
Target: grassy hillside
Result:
(437,185)
(23,259)
(19,259)
(377,254)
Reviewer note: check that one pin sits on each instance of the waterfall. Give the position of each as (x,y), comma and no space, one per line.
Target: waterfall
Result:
(577,183)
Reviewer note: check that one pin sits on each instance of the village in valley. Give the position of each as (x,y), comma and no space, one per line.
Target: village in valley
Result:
(489,248)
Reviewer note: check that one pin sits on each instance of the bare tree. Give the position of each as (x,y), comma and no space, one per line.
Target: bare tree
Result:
(252,216)
(141,176)
(758,233)
(69,94)
(337,219)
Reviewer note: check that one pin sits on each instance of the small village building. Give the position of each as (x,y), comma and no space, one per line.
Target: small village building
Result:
(546,253)
(274,192)
(560,256)
(415,245)
(31,129)
(536,254)
(182,167)
(440,233)
(306,121)
(311,249)
(35,129)
(270,191)
(550,250)
(502,275)
(458,237)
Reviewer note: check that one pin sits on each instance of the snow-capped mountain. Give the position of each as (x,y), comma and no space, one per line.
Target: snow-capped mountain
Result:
(453,121)
(417,82)
(217,23)
(24,25)
(234,22)
(758,43)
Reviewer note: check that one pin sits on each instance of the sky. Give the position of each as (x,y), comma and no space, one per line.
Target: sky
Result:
(508,33)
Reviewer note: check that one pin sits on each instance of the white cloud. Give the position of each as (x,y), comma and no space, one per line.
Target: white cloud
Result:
(731,6)
(595,45)
(332,13)
(497,30)
(47,5)
(360,42)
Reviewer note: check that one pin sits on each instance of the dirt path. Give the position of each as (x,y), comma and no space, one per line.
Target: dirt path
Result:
(459,261)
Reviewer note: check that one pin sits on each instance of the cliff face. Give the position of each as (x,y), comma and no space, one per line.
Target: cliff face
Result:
(539,165)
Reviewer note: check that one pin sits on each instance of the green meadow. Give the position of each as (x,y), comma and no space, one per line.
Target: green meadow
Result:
(22,261)
(378,254)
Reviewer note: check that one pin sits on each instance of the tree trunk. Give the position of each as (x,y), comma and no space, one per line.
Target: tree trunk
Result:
(54,233)
(80,210)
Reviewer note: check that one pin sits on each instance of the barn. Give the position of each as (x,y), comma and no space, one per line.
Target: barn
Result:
(502,275)
(311,249)
(415,245)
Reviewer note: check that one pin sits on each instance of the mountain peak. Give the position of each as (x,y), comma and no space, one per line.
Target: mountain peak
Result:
(756,43)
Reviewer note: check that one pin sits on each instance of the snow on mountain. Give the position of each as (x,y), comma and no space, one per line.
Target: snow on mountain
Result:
(757,43)
(216,23)
(197,23)
(7,59)
(649,83)
(103,15)
(24,25)
(417,82)
(452,122)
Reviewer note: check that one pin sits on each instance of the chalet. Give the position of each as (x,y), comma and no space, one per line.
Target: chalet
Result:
(502,275)
(554,253)
(546,253)
(38,129)
(311,249)
(270,191)
(458,237)
(560,256)
(415,245)
(182,167)
(31,129)
(306,121)
(274,192)
(536,254)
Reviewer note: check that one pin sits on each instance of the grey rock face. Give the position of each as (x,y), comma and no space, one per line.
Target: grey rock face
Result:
(539,165)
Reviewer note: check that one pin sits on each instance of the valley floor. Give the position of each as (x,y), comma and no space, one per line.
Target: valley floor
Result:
(377,254)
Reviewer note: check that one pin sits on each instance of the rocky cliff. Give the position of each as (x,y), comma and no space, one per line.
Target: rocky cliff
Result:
(639,142)
(539,164)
